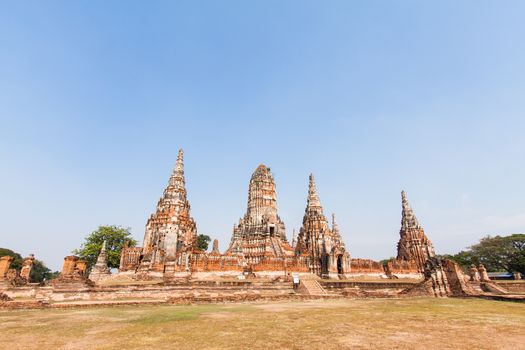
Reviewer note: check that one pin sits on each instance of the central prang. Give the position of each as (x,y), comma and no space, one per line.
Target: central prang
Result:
(260,234)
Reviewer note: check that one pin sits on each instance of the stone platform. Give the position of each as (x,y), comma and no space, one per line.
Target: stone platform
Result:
(129,292)
(126,291)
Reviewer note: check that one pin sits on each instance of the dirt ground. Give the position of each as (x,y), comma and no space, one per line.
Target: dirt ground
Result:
(319,324)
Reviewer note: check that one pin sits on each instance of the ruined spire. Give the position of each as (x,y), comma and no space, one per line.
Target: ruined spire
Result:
(170,230)
(102,259)
(313,202)
(262,197)
(413,243)
(215,249)
(335,227)
(336,233)
(177,177)
(408,219)
(294,238)
(179,166)
(100,270)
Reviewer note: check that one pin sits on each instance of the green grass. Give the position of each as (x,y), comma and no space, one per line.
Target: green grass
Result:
(337,324)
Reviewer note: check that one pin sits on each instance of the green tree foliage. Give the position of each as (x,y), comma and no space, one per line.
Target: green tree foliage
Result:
(385,261)
(39,271)
(115,237)
(496,253)
(17,258)
(501,253)
(463,258)
(203,242)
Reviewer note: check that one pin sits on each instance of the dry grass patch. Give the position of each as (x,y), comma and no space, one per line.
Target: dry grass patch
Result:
(369,323)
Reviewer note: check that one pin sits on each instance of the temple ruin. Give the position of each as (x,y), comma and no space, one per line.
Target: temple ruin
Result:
(258,263)
(171,232)
(321,246)
(259,240)
(413,243)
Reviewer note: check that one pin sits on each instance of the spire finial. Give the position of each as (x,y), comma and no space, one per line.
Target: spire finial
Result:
(101,259)
(313,197)
(408,219)
(179,166)
(335,227)
(178,172)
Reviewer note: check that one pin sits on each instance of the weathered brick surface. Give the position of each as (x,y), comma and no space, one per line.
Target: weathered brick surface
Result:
(365,266)
(401,267)
(5,264)
(26,268)
(517,287)
(73,274)
(100,271)
(4,297)
(129,258)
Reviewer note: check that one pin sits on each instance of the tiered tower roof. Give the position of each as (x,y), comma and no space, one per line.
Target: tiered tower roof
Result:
(171,227)
(413,243)
(262,197)
(408,218)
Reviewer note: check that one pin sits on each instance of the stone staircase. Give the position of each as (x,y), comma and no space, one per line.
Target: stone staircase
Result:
(311,287)
(493,288)
(482,288)
(276,247)
(476,286)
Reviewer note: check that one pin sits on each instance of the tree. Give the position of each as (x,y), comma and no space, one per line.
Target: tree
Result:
(501,253)
(39,271)
(496,253)
(386,261)
(115,237)
(463,258)
(203,241)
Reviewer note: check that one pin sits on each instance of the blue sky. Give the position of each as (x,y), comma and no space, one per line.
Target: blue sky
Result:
(372,97)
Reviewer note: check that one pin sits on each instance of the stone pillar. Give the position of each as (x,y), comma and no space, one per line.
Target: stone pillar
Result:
(27,267)
(483,275)
(215,249)
(69,265)
(81,267)
(73,274)
(473,273)
(5,263)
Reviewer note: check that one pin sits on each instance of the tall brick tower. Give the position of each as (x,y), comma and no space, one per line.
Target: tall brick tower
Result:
(322,246)
(260,234)
(170,232)
(413,243)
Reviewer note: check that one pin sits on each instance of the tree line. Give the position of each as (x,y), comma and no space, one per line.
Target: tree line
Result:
(498,254)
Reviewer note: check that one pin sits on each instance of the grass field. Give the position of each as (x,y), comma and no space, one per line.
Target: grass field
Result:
(337,324)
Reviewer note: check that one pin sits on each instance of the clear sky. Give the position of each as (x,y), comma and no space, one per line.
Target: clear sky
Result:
(373,97)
